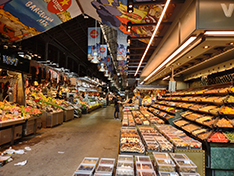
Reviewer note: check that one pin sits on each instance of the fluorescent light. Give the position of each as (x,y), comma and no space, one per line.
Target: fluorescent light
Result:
(166,77)
(154,33)
(219,33)
(190,40)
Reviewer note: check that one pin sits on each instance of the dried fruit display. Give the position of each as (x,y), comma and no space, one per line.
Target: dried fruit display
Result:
(227,110)
(187,105)
(181,123)
(207,108)
(212,91)
(196,107)
(214,111)
(190,127)
(203,136)
(201,91)
(199,131)
(231,89)
(230,136)
(230,99)
(217,137)
(193,116)
(183,114)
(224,123)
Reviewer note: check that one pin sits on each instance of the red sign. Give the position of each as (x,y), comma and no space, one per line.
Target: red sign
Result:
(108,59)
(102,49)
(58,6)
(94,33)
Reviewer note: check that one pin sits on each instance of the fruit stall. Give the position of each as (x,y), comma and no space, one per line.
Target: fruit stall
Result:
(206,114)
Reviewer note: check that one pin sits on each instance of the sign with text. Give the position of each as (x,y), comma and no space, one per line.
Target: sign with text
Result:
(216,15)
(14,62)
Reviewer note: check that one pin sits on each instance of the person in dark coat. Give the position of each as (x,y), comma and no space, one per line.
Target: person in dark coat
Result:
(116,104)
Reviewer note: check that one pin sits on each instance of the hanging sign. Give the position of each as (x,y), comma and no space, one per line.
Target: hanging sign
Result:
(21,19)
(14,62)
(93,42)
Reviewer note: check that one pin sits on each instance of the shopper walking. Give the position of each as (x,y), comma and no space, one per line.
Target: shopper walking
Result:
(116,104)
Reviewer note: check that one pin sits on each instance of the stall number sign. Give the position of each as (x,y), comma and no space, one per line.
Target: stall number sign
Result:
(9,60)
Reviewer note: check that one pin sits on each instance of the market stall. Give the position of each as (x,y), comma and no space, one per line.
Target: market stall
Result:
(16,119)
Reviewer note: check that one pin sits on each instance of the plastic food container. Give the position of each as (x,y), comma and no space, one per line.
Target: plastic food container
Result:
(189,174)
(125,165)
(126,158)
(102,174)
(107,161)
(161,155)
(123,172)
(90,160)
(146,173)
(178,156)
(105,169)
(168,174)
(186,166)
(165,165)
(83,167)
(144,166)
(82,174)
(142,159)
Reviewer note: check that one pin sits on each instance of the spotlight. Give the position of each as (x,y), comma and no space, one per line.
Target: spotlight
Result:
(128,39)
(129,26)
(130,6)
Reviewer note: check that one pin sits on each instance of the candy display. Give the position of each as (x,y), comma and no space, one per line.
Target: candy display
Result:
(217,137)
(86,167)
(130,141)
(185,166)
(227,110)
(178,138)
(125,165)
(165,165)
(162,173)
(90,160)
(224,123)
(107,161)
(230,136)
(146,173)
(151,117)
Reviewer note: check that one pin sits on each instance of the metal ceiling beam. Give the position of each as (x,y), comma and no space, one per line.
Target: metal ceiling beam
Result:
(139,54)
(132,63)
(147,37)
(72,39)
(149,24)
(138,48)
(157,2)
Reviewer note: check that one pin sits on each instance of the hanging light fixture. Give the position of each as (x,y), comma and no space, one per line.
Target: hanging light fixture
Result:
(106,74)
(109,78)
(102,69)
(95,58)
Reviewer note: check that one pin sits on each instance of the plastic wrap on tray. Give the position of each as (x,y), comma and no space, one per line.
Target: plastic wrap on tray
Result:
(179,156)
(82,174)
(189,174)
(146,173)
(165,165)
(162,173)
(124,172)
(144,166)
(83,167)
(90,160)
(105,168)
(125,158)
(125,165)
(186,166)
(107,161)
(142,159)
(161,155)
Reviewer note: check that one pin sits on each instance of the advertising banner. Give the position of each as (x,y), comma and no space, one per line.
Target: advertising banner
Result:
(21,19)
(121,46)
(93,42)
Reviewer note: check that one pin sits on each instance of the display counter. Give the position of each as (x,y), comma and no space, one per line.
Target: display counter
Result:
(11,130)
(31,125)
(68,114)
(51,119)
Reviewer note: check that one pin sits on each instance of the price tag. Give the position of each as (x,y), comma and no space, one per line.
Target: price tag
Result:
(16,112)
